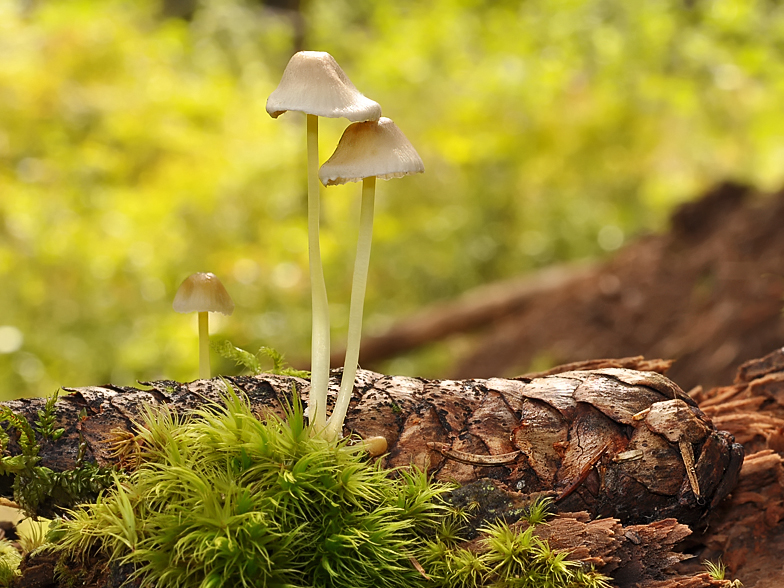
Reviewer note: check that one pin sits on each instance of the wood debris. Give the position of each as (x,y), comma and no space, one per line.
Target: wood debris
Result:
(625,445)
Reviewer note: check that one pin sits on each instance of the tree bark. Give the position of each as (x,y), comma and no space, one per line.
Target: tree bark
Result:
(612,442)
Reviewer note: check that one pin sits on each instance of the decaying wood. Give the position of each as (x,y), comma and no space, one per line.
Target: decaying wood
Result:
(637,362)
(611,441)
(634,554)
(629,446)
(748,529)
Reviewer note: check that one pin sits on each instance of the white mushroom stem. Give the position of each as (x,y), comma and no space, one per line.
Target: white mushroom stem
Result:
(314,83)
(203,293)
(205,373)
(359,285)
(319,354)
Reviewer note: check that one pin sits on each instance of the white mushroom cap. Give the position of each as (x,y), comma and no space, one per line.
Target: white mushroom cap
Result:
(377,148)
(203,292)
(314,83)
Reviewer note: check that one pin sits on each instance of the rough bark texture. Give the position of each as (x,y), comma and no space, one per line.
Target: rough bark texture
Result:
(748,529)
(611,441)
(625,445)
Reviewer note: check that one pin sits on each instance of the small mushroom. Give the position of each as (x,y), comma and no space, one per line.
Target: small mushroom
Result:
(371,149)
(366,151)
(203,293)
(375,446)
(314,83)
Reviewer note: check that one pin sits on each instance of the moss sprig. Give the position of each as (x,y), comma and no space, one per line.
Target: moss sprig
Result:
(10,558)
(35,485)
(538,511)
(253,363)
(47,417)
(27,441)
(718,571)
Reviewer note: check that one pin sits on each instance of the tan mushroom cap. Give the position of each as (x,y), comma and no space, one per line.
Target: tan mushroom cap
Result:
(314,83)
(377,148)
(203,292)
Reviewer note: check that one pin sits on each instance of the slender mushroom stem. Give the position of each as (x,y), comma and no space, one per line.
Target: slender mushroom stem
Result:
(361,265)
(319,358)
(204,346)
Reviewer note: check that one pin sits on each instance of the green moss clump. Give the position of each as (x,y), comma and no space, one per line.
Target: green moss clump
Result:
(504,558)
(37,487)
(222,498)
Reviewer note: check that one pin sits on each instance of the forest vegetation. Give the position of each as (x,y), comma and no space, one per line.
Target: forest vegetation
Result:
(135,150)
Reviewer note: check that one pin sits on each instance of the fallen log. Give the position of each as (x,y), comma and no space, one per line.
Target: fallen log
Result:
(604,441)
(612,442)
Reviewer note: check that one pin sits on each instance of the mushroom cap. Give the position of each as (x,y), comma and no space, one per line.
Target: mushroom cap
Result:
(377,148)
(314,83)
(203,292)
(375,446)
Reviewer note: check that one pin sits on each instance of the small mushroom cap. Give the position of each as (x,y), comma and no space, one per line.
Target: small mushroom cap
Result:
(314,83)
(375,446)
(377,148)
(203,292)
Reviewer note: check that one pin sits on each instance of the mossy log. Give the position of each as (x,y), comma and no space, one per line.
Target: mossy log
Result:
(611,441)
(602,439)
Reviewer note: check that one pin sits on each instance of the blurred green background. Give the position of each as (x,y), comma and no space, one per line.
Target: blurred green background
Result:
(135,149)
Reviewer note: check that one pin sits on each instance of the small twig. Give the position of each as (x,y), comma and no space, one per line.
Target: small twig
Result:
(691,472)
(474,458)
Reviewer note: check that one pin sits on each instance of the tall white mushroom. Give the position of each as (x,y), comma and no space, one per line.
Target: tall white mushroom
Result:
(203,293)
(366,151)
(314,83)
